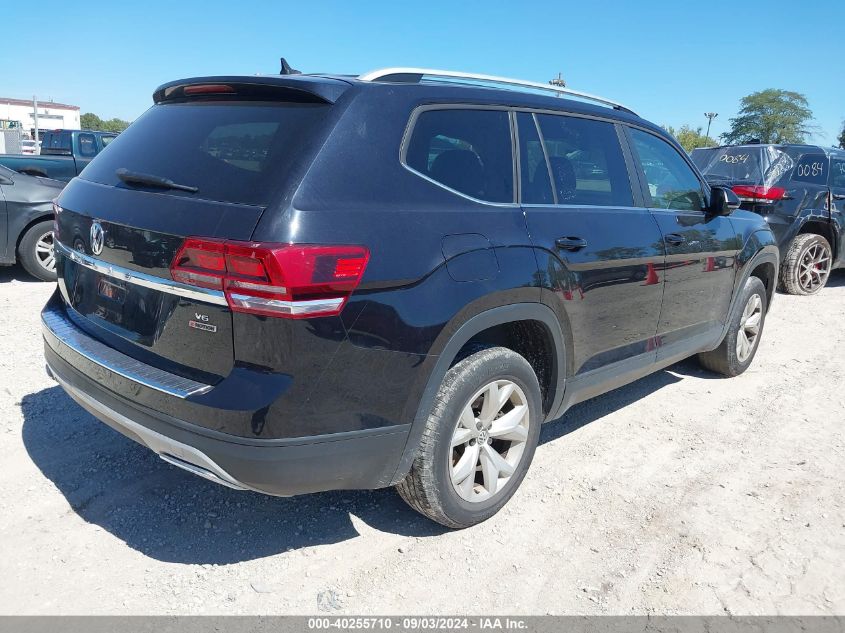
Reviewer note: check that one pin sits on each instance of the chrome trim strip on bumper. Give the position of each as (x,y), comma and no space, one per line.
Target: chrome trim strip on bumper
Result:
(169,286)
(296,308)
(173,452)
(61,334)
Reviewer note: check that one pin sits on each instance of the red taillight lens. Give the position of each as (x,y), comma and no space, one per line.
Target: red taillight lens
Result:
(200,263)
(56,211)
(273,279)
(758,192)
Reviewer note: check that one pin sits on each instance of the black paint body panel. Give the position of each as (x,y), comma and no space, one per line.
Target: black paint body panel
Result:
(443,267)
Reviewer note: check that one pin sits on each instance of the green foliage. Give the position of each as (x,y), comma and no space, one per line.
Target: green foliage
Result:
(90,121)
(842,137)
(690,137)
(771,116)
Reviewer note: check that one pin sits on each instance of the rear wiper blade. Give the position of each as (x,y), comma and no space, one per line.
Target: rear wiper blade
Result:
(133,177)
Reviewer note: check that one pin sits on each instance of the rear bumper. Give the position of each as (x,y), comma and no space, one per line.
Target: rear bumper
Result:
(283,467)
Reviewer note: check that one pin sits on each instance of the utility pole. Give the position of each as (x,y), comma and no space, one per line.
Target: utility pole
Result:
(558,81)
(710,116)
(35,116)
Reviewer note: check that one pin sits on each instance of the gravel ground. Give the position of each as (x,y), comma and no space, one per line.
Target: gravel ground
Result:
(681,493)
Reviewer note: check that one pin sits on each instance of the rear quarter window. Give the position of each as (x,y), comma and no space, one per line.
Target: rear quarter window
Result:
(811,168)
(837,173)
(466,150)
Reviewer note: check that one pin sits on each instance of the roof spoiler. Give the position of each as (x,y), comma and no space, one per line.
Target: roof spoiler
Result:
(296,88)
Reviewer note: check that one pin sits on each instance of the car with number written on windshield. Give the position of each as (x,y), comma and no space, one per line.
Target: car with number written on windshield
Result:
(298,283)
(800,191)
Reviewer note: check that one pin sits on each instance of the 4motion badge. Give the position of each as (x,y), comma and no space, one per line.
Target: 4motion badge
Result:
(200,322)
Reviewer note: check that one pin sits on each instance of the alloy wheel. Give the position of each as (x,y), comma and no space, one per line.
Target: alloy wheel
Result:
(749,328)
(814,268)
(45,252)
(489,440)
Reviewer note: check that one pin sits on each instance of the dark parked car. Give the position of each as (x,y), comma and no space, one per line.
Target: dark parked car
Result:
(26,222)
(800,191)
(64,153)
(300,283)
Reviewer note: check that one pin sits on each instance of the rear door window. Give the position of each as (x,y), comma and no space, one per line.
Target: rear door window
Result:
(585,161)
(232,152)
(466,150)
(534,171)
(87,145)
(672,184)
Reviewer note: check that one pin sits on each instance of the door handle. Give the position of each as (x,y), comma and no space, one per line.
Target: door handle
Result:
(675,239)
(570,243)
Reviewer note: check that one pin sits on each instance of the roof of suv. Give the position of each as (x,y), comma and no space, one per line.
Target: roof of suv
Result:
(829,151)
(329,88)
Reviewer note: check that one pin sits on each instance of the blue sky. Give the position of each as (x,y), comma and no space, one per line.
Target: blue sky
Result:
(670,61)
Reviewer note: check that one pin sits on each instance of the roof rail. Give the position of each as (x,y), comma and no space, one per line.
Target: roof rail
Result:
(415,75)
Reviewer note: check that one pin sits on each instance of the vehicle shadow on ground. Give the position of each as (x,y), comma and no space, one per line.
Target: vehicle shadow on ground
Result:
(591,410)
(836,279)
(17,274)
(173,516)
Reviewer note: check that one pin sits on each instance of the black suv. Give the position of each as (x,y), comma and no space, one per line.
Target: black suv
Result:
(301,283)
(800,191)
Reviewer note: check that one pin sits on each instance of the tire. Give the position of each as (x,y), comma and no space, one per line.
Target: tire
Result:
(733,357)
(31,251)
(806,265)
(429,487)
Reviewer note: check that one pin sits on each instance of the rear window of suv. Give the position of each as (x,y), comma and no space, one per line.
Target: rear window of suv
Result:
(232,152)
(761,165)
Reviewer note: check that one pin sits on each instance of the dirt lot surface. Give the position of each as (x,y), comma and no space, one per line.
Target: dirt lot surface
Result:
(681,493)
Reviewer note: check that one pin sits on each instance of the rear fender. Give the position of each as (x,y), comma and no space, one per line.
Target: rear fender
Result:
(478,323)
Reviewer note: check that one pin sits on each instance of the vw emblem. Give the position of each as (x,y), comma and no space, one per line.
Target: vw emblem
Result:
(97,238)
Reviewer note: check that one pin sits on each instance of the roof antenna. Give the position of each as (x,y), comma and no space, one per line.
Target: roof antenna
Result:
(286,69)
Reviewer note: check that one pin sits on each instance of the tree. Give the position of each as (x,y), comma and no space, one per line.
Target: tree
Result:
(690,137)
(771,116)
(842,137)
(90,121)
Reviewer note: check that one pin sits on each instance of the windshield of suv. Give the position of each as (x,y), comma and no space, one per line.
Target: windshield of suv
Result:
(231,152)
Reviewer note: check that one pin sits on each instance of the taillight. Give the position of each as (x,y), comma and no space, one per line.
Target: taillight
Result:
(758,192)
(282,280)
(56,211)
(208,89)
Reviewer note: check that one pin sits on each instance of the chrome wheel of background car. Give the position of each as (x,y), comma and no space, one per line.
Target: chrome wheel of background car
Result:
(45,252)
(814,267)
(749,327)
(489,440)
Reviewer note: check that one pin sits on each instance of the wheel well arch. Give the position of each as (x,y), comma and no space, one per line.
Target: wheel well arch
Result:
(825,229)
(529,338)
(767,273)
(492,325)
(36,220)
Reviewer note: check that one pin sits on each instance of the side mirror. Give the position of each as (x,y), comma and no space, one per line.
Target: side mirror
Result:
(723,201)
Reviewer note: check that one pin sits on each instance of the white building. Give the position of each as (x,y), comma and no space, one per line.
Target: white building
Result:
(51,116)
